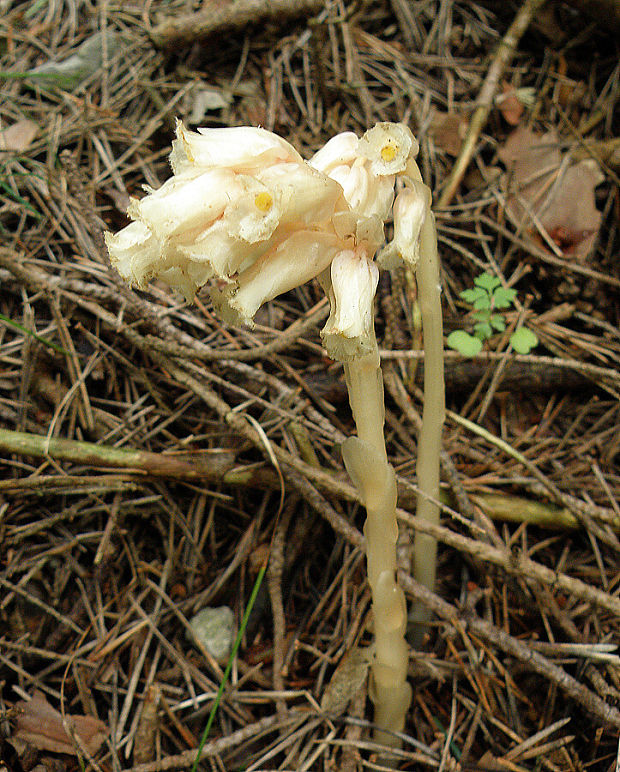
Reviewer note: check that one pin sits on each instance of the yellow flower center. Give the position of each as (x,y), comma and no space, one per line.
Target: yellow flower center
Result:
(263,201)
(388,153)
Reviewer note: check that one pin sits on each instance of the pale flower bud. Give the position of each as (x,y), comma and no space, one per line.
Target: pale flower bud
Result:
(339,150)
(243,148)
(348,333)
(410,209)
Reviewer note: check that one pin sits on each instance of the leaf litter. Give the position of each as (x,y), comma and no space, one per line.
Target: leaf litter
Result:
(131,497)
(42,726)
(548,195)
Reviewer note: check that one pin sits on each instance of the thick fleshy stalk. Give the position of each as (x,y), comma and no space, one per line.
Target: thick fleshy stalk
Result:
(366,461)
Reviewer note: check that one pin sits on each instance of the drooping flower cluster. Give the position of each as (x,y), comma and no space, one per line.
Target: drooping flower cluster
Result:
(245,211)
(366,169)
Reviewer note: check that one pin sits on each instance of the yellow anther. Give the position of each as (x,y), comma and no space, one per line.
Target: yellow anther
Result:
(263,201)
(388,153)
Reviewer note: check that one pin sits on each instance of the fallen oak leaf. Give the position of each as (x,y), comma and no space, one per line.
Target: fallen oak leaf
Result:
(544,190)
(70,72)
(41,725)
(347,680)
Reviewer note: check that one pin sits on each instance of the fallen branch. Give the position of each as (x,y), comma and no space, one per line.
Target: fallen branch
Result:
(218,17)
(303,478)
(197,467)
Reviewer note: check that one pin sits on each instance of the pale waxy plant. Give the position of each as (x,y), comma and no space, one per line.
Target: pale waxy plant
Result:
(246,213)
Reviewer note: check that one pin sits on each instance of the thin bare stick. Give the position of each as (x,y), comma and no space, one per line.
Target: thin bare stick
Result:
(274,585)
(515,648)
(484,103)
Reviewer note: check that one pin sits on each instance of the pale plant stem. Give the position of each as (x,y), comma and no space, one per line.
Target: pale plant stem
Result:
(433,415)
(366,460)
(428,279)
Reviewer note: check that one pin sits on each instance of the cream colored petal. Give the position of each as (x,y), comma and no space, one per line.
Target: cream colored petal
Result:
(348,332)
(309,195)
(243,148)
(367,194)
(355,182)
(178,277)
(369,233)
(216,248)
(225,254)
(255,214)
(181,203)
(338,151)
(381,198)
(135,253)
(299,258)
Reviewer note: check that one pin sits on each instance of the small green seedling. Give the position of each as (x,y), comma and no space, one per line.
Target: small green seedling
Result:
(488,297)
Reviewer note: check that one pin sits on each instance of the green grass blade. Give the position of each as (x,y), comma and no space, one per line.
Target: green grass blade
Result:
(26,331)
(231,659)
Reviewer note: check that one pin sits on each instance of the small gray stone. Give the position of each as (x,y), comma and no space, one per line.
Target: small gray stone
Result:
(214,629)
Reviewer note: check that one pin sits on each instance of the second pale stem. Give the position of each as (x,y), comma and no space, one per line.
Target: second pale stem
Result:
(429,441)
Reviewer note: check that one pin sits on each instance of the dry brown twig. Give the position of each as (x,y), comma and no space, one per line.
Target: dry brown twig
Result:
(521,651)
(275,571)
(484,104)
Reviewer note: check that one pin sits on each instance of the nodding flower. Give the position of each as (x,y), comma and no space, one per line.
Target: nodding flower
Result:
(410,208)
(350,285)
(245,211)
(236,194)
(366,167)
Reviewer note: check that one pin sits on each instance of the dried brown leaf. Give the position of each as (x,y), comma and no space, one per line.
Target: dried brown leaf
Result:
(510,106)
(448,131)
(41,725)
(546,192)
(490,763)
(146,733)
(346,681)
(18,136)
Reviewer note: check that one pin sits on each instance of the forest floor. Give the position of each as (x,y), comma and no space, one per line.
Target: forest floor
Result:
(151,456)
